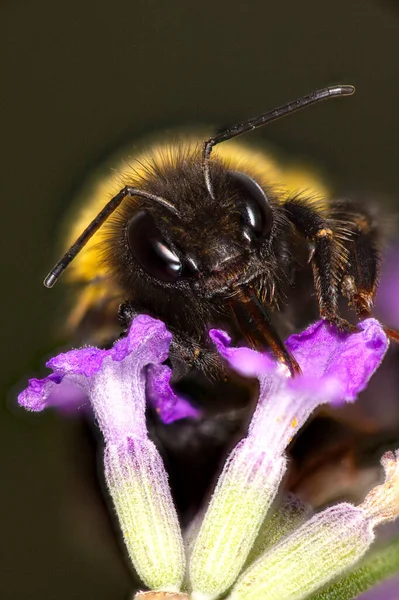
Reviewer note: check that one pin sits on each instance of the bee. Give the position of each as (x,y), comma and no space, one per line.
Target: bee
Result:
(201,239)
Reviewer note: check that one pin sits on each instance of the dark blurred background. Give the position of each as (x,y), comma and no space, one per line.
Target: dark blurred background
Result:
(78,80)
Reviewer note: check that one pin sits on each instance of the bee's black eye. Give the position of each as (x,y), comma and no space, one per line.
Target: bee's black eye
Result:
(150,249)
(258,213)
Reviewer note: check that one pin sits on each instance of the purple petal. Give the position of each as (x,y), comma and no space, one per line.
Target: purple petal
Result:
(147,342)
(348,359)
(35,396)
(167,404)
(147,337)
(69,399)
(245,361)
(84,361)
(335,365)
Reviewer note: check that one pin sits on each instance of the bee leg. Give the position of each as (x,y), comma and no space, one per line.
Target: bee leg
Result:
(186,354)
(361,271)
(327,256)
(127,311)
(362,266)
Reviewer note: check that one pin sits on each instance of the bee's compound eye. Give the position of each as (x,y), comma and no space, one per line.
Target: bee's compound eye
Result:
(258,213)
(150,249)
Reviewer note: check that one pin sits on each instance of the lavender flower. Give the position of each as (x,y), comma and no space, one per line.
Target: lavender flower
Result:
(229,549)
(115,380)
(335,368)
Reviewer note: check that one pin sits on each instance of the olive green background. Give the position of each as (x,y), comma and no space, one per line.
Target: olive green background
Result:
(81,78)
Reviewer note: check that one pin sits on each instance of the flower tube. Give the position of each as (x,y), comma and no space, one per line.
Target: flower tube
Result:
(336,367)
(114,381)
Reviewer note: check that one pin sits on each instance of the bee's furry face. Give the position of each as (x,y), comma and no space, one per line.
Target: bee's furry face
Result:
(203,255)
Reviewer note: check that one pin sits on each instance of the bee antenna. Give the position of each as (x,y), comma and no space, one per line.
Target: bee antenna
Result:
(96,223)
(268,117)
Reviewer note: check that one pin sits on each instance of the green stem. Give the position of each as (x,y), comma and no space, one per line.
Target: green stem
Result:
(375,568)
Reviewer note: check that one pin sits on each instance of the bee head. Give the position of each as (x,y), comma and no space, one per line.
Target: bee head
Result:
(206,244)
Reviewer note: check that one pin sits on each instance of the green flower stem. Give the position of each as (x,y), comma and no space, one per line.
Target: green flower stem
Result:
(376,567)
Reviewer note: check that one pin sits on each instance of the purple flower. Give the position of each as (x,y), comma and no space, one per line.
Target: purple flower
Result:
(337,363)
(115,382)
(336,367)
(146,345)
